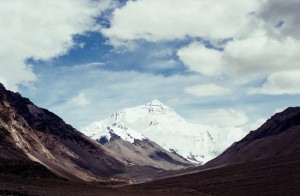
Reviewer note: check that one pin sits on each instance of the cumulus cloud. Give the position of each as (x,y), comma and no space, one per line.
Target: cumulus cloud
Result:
(156,20)
(80,100)
(257,54)
(198,58)
(204,90)
(41,30)
(261,55)
(263,34)
(286,82)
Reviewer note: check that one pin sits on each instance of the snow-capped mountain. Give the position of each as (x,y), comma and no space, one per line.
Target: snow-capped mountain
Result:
(162,125)
(132,146)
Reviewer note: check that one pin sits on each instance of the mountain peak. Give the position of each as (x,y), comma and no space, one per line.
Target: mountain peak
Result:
(155,102)
(161,124)
(156,107)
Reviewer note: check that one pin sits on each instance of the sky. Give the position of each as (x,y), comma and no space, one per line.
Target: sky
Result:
(226,63)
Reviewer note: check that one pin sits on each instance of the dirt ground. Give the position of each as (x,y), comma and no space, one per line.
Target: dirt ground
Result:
(12,185)
(276,176)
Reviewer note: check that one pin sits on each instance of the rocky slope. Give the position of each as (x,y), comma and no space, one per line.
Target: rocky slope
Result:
(28,132)
(135,148)
(146,153)
(279,136)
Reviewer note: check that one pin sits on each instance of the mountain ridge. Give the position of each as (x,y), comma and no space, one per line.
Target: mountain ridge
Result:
(282,131)
(277,124)
(28,132)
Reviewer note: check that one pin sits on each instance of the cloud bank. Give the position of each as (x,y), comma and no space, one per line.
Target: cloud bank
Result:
(155,20)
(41,30)
(258,39)
(193,55)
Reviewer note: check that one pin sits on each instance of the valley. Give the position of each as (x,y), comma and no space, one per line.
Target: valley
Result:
(149,97)
(274,176)
(41,155)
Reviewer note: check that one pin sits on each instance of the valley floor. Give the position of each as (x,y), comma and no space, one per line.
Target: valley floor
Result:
(276,176)
(12,185)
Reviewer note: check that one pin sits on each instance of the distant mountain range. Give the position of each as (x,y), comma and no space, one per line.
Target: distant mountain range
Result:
(161,124)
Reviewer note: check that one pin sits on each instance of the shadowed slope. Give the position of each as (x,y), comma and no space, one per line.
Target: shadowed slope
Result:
(279,136)
(30,132)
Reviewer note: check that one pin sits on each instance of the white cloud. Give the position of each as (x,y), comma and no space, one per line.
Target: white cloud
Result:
(201,59)
(258,46)
(44,30)
(41,30)
(80,100)
(155,20)
(224,118)
(261,55)
(203,90)
(257,54)
(280,83)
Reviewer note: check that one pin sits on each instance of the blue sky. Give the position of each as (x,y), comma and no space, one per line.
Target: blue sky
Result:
(85,59)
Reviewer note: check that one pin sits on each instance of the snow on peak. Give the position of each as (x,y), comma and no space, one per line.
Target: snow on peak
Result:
(152,110)
(155,106)
(154,102)
(104,130)
(165,127)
